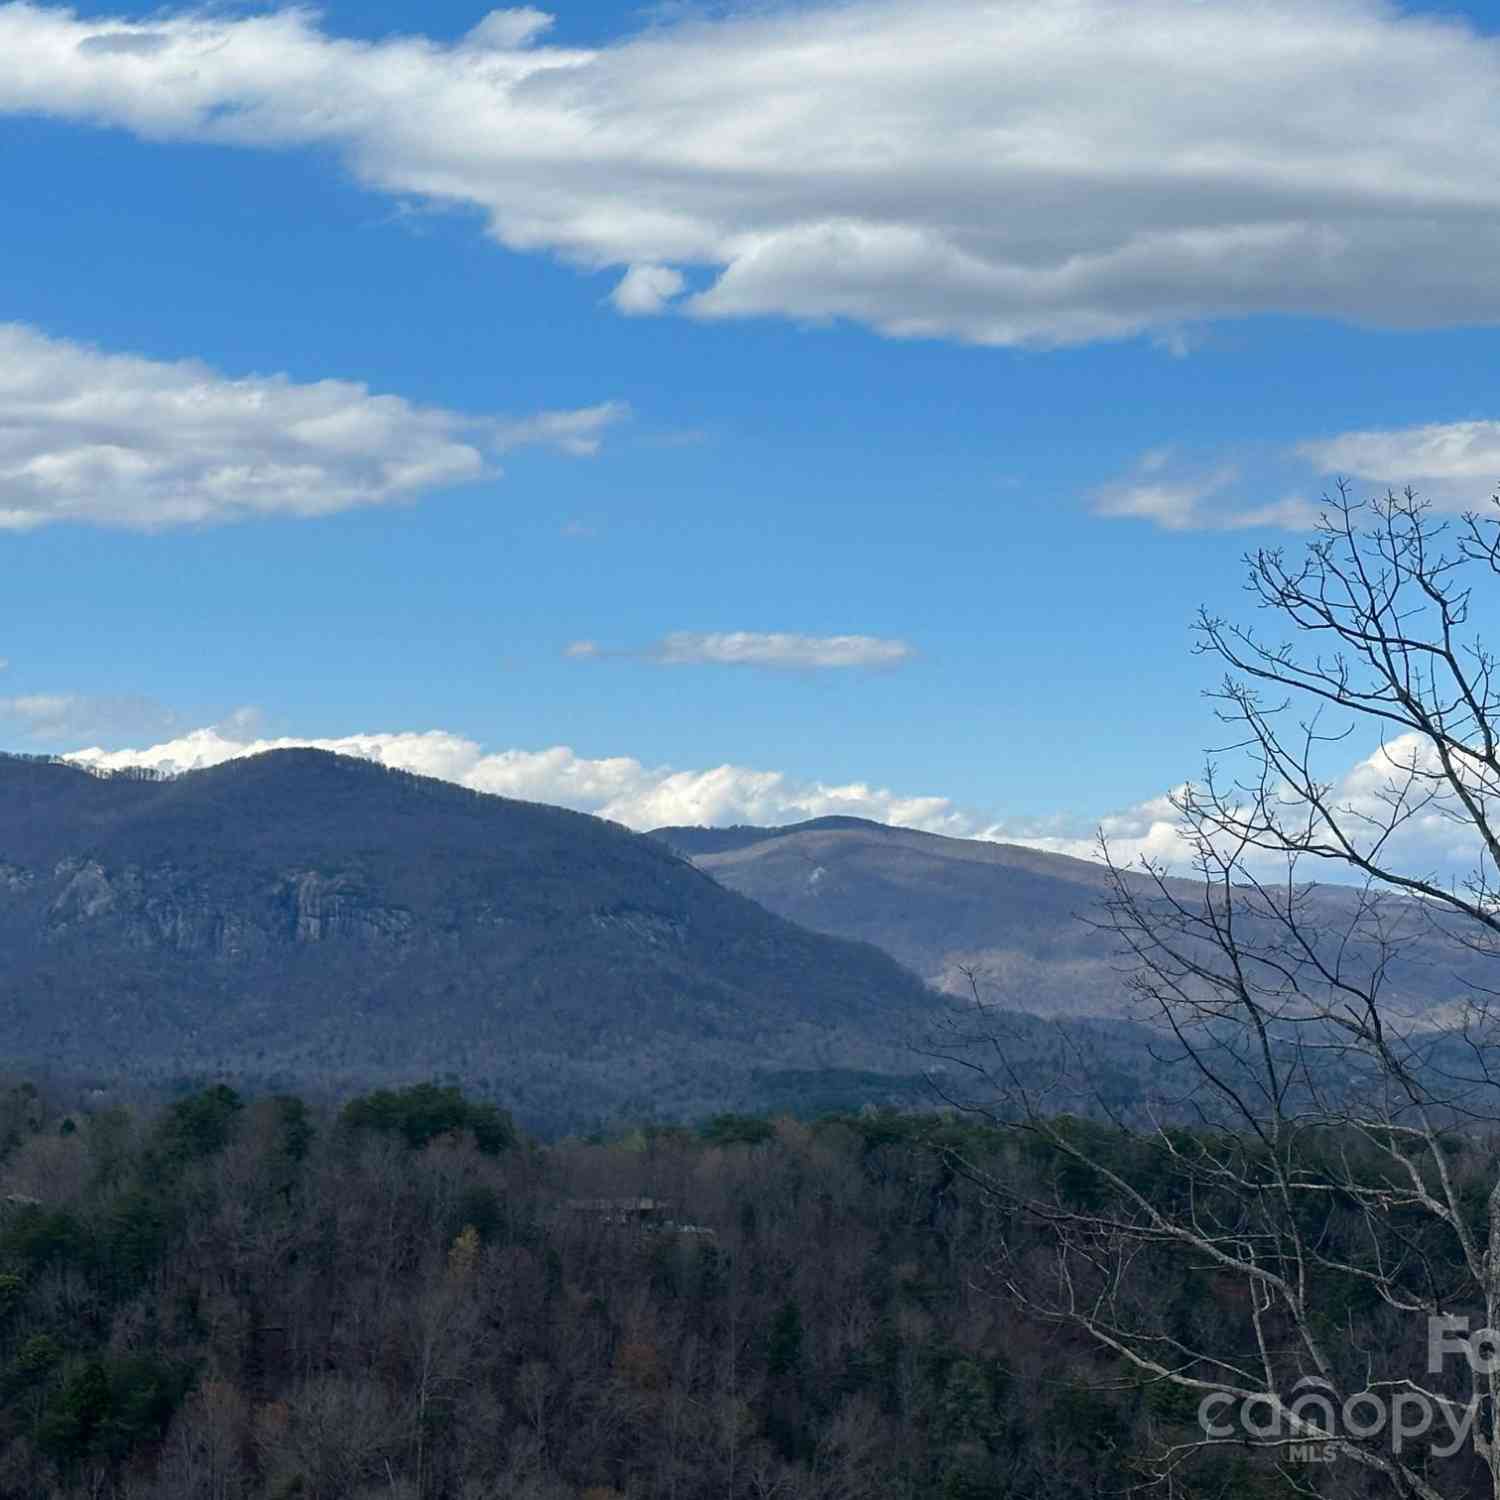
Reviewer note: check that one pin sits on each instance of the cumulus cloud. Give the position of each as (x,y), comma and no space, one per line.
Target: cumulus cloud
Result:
(1429,841)
(1035,172)
(617,787)
(1149,829)
(116,439)
(749,648)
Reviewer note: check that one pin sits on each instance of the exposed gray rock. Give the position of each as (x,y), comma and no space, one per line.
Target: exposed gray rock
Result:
(160,907)
(328,907)
(649,927)
(87,893)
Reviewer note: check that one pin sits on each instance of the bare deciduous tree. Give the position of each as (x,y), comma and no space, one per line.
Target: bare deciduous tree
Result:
(1319,1154)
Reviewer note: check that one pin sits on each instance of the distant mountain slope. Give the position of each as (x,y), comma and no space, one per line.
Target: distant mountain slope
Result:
(691,842)
(306,915)
(1020,917)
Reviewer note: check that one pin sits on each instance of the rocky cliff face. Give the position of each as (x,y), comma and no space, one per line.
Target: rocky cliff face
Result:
(161,906)
(328,908)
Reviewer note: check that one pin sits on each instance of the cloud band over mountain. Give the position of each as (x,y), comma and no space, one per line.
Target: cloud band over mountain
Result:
(627,791)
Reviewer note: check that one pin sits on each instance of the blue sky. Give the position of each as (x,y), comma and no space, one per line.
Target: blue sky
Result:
(992,352)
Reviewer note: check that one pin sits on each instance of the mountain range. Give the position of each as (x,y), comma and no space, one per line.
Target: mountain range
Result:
(309,919)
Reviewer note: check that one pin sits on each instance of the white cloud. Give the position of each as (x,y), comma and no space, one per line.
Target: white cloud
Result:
(54,717)
(617,787)
(1038,171)
(1453,465)
(579,433)
(1453,462)
(644,290)
(507,29)
(1173,507)
(1196,501)
(1149,829)
(1429,843)
(779,649)
(116,439)
(750,648)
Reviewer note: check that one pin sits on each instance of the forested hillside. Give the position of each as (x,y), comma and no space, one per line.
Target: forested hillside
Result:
(242,1299)
(305,919)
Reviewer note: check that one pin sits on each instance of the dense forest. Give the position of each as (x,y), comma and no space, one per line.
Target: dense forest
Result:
(230,1298)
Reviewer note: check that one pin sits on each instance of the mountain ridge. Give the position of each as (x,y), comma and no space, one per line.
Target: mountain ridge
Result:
(1027,924)
(303,914)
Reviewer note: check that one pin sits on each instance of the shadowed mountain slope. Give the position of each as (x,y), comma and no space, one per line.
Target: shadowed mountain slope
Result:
(1024,919)
(309,916)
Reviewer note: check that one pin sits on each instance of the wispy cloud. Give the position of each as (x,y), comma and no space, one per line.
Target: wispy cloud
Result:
(1176,497)
(53,718)
(1447,461)
(1029,173)
(579,433)
(740,648)
(119,440)
(749,648)
(1453,465)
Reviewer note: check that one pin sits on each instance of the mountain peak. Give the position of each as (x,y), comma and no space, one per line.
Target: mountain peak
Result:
(304,914)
